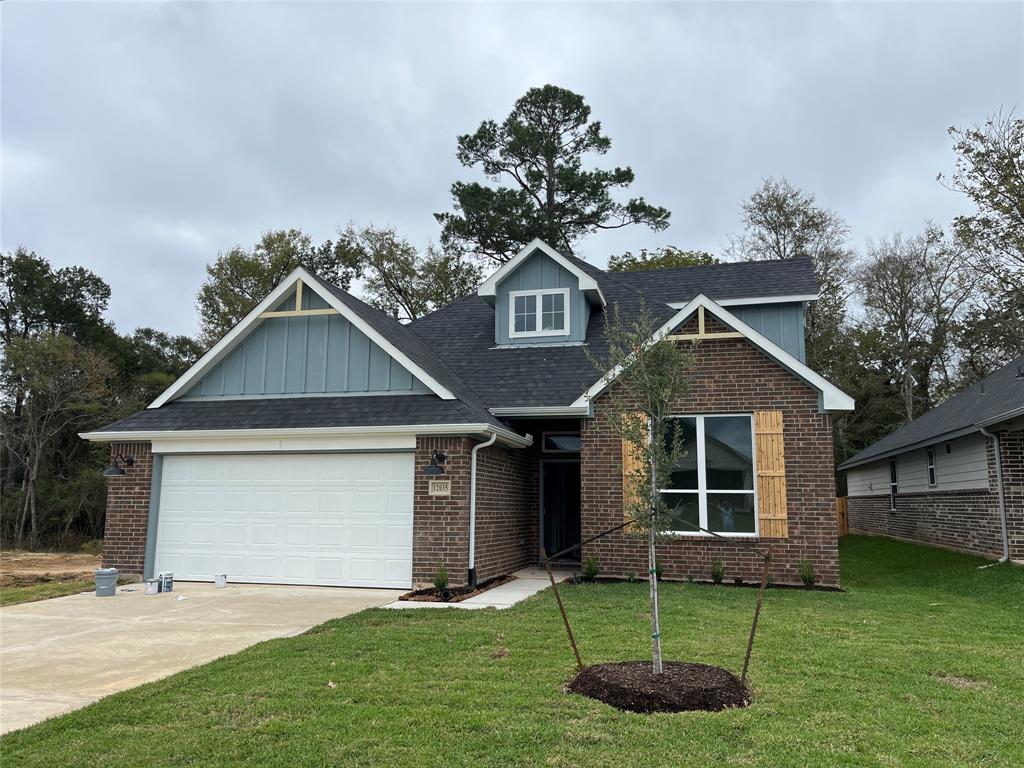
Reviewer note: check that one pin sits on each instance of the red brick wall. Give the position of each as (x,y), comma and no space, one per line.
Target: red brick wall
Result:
(124,538)
(728,376)
(507,511)
(967,520)
(440,525)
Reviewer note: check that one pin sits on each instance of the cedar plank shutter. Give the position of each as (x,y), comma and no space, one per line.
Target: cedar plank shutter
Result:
(632,462)
(771,475)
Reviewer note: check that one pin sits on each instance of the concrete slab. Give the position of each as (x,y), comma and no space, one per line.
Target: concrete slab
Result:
(61,654)
(527,582)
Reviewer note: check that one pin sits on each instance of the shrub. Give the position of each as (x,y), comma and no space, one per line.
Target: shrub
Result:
(657,569)
(441,577)
(807,575)
(590,568)
(92,547)
(717,571)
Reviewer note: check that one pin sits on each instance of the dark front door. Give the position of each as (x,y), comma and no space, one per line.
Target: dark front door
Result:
(560,510)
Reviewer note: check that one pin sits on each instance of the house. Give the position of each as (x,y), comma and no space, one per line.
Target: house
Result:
(322,442)
(953,477)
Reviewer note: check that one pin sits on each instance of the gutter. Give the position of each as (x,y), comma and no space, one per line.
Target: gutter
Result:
(541,411)
(472,505)
(1002,497)
(945,436)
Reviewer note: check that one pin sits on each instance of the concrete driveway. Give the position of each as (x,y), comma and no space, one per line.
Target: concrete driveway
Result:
(61,654)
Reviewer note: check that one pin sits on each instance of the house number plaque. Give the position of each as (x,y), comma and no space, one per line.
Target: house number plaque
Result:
(440,487)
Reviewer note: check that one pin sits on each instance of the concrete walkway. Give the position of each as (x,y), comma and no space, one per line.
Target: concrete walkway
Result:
(527,582)
(59,655)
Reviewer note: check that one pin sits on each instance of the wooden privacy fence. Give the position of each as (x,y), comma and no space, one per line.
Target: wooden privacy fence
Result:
(842,516)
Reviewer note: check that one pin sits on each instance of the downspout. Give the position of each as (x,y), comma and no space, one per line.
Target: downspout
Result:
(1002,497)
(472,504)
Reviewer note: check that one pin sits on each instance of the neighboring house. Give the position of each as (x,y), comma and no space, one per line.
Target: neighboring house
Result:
(322,442)
(953,477)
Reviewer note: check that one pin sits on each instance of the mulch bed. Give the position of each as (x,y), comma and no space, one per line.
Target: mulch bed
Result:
(455,594)
(682,687)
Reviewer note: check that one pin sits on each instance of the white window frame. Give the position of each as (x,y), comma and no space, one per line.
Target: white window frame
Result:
(894,483)
(539,309)
(702,480)
(929,460)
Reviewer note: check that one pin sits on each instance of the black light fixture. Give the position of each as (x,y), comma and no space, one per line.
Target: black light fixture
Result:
(114,470)
(433,469)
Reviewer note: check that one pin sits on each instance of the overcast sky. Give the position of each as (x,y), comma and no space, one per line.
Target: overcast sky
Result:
(140,139)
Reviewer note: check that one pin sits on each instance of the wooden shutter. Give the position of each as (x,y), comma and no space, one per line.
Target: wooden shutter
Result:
(632,461)
(771,475)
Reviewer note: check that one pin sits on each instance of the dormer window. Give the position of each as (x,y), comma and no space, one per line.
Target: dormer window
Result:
(539,313)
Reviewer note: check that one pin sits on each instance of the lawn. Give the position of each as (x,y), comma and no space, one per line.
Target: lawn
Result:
(919,663)
(43,590)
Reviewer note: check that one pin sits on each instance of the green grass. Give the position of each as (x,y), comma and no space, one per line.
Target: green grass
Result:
(841,679)
(44,590)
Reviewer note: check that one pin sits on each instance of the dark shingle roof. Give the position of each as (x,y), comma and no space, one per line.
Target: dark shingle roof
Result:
(1000,394)
(301,412)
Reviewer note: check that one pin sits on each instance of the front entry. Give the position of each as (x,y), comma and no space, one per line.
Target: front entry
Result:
(560,507)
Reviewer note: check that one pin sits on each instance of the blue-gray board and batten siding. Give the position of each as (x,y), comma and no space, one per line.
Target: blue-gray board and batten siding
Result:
(305,355)
(537,272)
(780,323)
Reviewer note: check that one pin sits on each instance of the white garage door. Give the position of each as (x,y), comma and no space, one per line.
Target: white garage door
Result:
(330,519)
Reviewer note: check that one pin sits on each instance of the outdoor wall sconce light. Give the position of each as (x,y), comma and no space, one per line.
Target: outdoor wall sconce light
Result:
(114,470)
(433,469)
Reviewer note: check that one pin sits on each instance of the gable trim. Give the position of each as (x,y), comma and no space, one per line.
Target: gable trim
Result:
(489,288)
(747,301)
(831,397)
(244,326)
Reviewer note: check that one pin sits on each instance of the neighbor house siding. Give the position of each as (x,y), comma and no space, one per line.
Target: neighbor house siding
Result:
(313,354)
(534,273)
(127,520)
(726,376)
(960,464)
(781,323)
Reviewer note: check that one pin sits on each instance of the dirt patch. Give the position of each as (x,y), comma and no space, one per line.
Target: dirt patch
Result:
(455,594)
(19,568)
(682,687)
(960,682)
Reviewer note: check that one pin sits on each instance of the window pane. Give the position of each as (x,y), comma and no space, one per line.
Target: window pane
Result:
(728,452)
(684,473)
(731,512)
(684,508)
(525,313)
(561,442)
(553,312)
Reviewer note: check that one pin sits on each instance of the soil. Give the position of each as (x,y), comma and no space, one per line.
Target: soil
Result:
(19,568)
(455,594)
(682,687)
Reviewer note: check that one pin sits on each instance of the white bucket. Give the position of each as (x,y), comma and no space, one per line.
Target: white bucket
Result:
(220,580)
(152,586)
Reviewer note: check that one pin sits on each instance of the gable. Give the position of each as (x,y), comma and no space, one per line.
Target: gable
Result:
(540,273)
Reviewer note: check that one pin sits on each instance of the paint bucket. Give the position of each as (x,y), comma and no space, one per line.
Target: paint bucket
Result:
(106,581)
(166,581)
(152,586)
(220,580)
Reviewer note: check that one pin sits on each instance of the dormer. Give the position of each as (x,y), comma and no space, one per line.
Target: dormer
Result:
(540,297)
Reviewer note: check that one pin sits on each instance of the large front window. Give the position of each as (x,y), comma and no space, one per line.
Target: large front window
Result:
(539,313)
(712,484)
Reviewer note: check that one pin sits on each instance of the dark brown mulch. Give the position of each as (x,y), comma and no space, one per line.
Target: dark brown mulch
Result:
(681,687)
(454,594)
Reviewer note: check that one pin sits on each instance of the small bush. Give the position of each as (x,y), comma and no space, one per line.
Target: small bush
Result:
(92,547)
(807,575)
(717,571)
(590,568)
(441,577)
(657,569)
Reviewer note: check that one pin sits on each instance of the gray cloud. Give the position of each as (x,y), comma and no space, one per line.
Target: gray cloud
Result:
(141,139)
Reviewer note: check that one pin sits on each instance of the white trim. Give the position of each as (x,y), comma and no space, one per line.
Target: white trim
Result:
(538,312)
(489,287)
(944,437)
(931,468)
(506,436)
(246,324)
(702,490)
(542,410)
(832,398)
(757,300)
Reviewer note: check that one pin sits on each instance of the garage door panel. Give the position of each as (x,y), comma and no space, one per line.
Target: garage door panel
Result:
(333,519)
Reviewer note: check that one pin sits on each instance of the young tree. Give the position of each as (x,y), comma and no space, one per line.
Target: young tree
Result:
(400,281)
(60,385)
(668,257)
(646,377)
(539,149)
(782,222)
(239,279)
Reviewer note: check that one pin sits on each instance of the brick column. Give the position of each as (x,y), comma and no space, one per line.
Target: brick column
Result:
(124,540)
(440,528)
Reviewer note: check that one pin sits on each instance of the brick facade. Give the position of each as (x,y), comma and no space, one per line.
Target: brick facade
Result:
(967,521)
(124,538)
(728,376)
(440,524)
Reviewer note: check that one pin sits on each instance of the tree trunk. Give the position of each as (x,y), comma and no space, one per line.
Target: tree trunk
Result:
(652,574)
